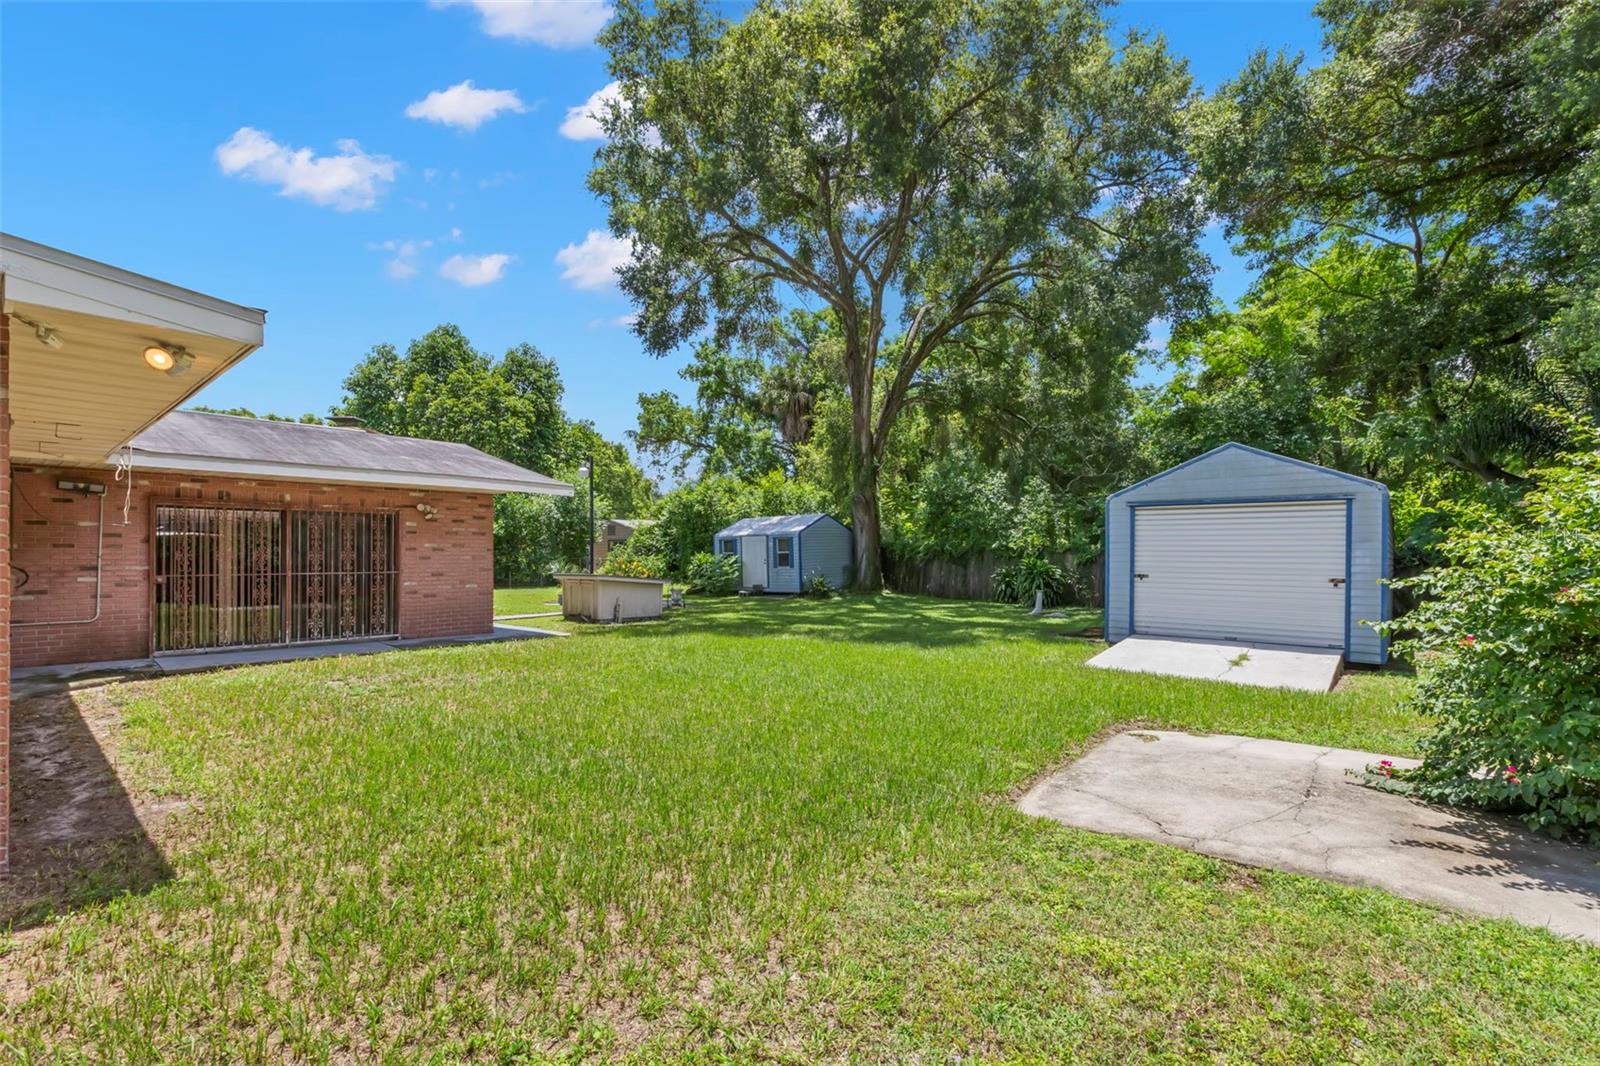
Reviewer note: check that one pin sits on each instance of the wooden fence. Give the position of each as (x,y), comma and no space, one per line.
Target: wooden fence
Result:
(973,578)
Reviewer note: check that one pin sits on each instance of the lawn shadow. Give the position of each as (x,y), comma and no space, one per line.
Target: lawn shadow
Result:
(885,618)
(78,838)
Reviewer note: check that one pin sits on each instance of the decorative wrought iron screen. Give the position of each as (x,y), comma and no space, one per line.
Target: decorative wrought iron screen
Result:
(342,575)
(218,577)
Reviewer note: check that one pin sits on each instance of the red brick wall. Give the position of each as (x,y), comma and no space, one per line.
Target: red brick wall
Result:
(446,564)
(5,586)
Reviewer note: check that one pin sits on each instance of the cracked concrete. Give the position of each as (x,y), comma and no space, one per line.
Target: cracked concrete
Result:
(1294,807)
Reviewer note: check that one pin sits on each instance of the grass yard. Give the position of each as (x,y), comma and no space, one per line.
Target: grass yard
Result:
(537,598)
(772,830)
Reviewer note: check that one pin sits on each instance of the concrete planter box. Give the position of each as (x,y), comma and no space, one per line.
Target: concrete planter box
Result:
(604,598)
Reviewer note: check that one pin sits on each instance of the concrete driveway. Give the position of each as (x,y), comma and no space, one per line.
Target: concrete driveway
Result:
(1293,807)
(1263,665)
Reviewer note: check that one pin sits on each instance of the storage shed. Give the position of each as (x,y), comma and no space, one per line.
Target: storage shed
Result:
(1244,545)
(779,552)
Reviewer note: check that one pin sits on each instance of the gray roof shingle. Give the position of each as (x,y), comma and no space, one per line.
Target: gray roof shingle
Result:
(231,440)
(770,525)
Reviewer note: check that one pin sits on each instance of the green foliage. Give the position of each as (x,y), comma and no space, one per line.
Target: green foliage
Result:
(714,575)
(527,539)
(1508,660)
(816,585)
(689,516)
(625,560)
(307,419)
(444,389)
(872,157)
(1422,204)
(957,508)
(1022,581)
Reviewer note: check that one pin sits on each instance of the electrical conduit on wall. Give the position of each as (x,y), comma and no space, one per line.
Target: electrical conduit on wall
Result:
(99,568)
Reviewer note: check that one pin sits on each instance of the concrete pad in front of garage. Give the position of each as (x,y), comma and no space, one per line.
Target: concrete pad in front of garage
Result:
(1264,665)
(1293,807)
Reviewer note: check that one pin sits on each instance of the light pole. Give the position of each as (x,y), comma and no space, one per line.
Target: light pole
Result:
(587,470)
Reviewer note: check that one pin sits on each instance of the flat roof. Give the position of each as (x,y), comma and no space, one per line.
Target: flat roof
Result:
(202,442)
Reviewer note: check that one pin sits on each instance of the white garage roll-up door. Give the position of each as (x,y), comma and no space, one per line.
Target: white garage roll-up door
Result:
(1272,573)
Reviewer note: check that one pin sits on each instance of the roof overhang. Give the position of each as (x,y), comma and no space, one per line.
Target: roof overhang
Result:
(79,402)
(343,475)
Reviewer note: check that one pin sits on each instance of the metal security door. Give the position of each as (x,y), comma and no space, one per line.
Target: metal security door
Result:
(218,577)
(342,575)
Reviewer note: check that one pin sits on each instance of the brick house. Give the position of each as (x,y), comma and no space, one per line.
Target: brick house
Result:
(132,530)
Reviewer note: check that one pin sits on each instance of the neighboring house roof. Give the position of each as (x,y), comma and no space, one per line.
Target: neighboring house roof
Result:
(208,443)
(634,524)
(771,525)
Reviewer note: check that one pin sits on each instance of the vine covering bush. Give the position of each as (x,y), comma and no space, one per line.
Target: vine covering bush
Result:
(626,561)
(1019,582)
(714,575)
(1506,641)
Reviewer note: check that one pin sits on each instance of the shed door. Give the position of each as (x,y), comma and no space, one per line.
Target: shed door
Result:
(1270,573)
(753,550)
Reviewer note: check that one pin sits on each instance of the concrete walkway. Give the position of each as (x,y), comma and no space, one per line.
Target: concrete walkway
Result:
(1262,665)
(215,660)
(1293,807)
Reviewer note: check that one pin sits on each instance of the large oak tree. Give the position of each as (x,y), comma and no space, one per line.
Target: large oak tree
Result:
(915,168)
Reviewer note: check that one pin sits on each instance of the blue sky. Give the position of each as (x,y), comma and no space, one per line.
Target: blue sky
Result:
(264,153)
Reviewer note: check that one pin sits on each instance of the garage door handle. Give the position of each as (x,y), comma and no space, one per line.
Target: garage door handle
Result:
(1336,581)
(1141,577)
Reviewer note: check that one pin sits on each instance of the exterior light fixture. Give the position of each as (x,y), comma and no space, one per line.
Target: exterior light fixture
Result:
(171,359)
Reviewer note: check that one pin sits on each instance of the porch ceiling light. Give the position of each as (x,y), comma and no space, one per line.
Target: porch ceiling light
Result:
(174,360)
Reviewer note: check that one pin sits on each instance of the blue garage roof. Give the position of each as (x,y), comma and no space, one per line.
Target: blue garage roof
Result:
(770,525)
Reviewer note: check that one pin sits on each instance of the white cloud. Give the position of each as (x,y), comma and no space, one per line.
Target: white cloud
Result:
(594,263)
(465,106)
(557,23)
(618,320)
(403,263)
(474,270)
(352,180)
(583,122)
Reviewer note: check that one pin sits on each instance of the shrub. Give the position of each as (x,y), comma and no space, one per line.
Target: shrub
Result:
(816,584)
(1019,582)
(625,561)
(1506,640)
(714,575)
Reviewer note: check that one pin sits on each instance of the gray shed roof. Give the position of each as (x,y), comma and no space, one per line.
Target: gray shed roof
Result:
(770,525)
(228,444)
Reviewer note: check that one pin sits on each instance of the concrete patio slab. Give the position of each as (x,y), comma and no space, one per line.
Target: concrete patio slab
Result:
(1262,665)
(1293,807)
(216,660)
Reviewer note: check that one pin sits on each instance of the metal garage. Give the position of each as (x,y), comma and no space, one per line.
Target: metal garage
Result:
(1243,545)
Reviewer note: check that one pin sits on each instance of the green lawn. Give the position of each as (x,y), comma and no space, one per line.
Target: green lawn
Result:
(772,830)
(527,600)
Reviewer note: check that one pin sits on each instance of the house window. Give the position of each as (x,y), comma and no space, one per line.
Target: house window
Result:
(783,553)
(730,546)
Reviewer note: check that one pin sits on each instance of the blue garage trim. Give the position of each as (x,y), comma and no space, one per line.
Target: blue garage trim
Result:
(1349,533)
(1388,579)
(1233,446)
(1349,506)
(1221,502)
(1132,527)
(1105,573)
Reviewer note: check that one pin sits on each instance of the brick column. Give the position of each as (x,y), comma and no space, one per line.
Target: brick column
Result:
(5,585)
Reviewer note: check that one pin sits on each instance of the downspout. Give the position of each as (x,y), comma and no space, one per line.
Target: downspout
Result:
(99,567)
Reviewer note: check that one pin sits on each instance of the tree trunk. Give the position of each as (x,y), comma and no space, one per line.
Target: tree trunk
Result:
(863,474)
(864,525)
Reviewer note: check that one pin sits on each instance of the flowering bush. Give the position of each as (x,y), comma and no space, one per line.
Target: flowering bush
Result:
(1506,641)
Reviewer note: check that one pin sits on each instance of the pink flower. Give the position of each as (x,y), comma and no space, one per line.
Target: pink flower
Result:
(1468,641)
(1511,774)
(1387,767)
